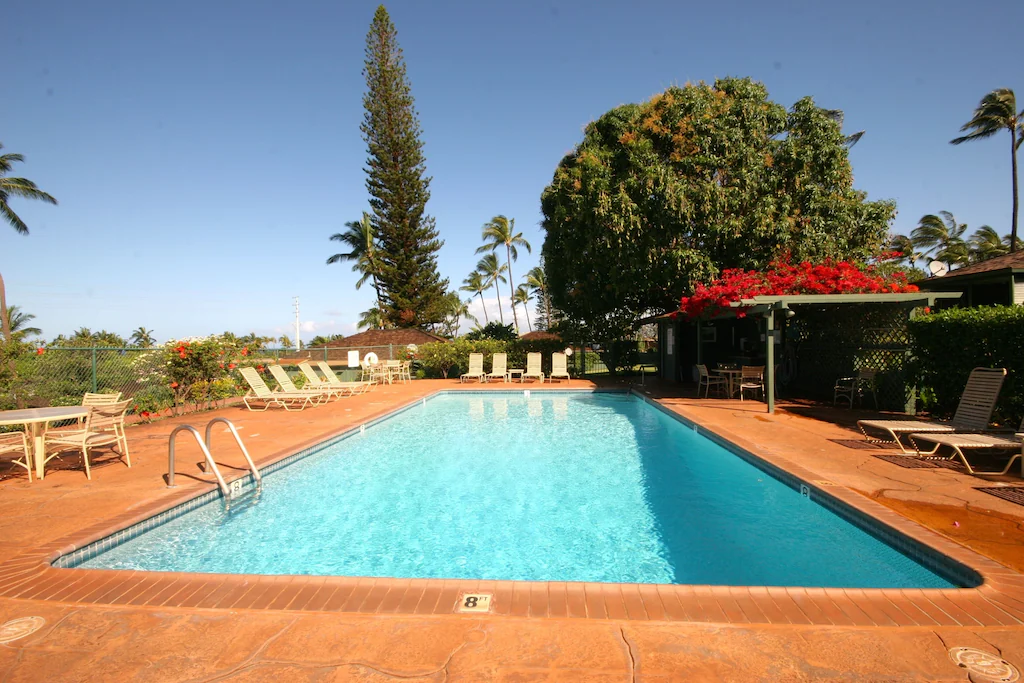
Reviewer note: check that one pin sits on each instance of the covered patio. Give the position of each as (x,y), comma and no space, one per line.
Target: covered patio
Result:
(805,342)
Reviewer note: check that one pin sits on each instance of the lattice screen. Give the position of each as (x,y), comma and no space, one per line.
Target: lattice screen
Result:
(824,343)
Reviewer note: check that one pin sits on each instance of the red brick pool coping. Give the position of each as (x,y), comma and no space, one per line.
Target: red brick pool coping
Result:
(999,601)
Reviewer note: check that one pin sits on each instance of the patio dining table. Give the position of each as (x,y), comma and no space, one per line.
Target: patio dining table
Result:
(36,419)
(732,376)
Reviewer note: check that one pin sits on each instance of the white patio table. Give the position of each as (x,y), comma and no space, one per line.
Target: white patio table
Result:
(36,420)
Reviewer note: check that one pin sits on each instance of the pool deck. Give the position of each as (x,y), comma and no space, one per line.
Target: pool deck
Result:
(112,625)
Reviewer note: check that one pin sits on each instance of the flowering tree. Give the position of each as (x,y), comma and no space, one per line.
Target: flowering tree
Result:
(782,277)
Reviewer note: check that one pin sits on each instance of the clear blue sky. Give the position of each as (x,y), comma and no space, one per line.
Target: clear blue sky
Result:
(203,152)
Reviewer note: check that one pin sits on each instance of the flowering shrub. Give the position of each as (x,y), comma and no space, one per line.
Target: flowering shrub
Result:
(783,277)
(199,369)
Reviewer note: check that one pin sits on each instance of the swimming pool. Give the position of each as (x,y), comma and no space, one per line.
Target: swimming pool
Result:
(554,486)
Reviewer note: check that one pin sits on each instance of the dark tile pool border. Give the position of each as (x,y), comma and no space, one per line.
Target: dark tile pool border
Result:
(999,601)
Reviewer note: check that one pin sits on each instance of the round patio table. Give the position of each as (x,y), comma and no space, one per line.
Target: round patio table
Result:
(732,376)
(36,420)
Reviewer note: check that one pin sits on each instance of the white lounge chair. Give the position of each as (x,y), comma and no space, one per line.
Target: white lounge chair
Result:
(357,387)
(974,441)
(559,367)
(288,387)
(533,368)
(972,414)
(104,426)
(313,381)
(476,368)
(259,392)
(499,367)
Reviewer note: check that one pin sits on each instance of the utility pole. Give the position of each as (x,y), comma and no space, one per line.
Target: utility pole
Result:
(298,340)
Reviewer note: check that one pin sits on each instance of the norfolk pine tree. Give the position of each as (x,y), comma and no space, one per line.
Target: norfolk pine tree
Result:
(412,291)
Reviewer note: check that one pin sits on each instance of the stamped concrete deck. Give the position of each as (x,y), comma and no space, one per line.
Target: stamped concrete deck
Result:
(126,625)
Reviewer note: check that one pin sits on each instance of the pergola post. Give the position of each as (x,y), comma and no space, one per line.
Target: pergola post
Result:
(769,360)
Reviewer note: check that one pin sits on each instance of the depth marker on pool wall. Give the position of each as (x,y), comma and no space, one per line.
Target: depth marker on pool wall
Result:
(474,602)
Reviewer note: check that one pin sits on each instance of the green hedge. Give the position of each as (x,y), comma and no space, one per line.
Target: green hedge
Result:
(451,359)
(947,346)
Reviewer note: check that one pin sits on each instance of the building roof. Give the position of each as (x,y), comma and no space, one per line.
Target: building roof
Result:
(1007,263)
(400,336)
(541,335)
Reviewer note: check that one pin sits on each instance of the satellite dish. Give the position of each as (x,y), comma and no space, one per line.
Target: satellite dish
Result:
(938,268)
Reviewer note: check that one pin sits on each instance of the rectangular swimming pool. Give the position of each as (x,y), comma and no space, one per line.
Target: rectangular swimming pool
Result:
(554,486)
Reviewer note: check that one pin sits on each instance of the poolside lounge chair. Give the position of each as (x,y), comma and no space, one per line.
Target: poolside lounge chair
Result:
(261,393)
(313,381)
(972,414)
(499,367)
(104,426)
(287,386)
(559,367)
(975,441)
(17,442)
(476,368)
(357,387)
(533,361)
(707,380)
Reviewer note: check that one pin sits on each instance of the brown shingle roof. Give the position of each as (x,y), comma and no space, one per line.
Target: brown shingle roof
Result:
(402,337)
(1014,261)
(540,335)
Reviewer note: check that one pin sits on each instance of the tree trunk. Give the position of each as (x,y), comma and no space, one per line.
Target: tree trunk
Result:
(483,306)
(497,293)
(526,307)
(4,320)
(547,304)
(380,303)
(511,286)
(1013,158)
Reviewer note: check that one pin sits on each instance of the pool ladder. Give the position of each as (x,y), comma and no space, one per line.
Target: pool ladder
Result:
(205,447)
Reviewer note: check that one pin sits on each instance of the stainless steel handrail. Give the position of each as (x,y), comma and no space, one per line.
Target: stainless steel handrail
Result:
(206,452)
(234,432)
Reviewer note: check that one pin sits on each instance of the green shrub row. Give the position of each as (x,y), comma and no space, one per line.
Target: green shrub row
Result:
(946,346)
(451,359)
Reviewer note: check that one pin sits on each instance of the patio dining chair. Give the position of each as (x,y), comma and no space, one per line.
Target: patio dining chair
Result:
(852,388)
(104,426)
(706,380)
(972,413)
(751,379)
(17,442)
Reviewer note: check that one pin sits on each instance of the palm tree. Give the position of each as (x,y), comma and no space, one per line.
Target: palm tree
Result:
(943,235)
(14,187)
(538,283)
(285,341)
(998,111)
(476,284)
(493,273)
(462,311)
(17,322)
(143,337)
(523,296)
(986,243)
(904,245)
(371,318)
(360,239)
(501,231)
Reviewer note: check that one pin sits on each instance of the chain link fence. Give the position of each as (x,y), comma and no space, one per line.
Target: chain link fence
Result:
(60,376)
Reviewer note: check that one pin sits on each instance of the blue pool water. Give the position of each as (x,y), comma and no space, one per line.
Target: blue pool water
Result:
(566,487)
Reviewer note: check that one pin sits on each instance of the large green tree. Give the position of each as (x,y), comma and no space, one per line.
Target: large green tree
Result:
(664,194)
(412,292)
(18,323)
(14,187)
(998,112)
(476,284)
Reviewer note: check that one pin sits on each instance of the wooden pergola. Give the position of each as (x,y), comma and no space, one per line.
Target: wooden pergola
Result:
(770,305)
